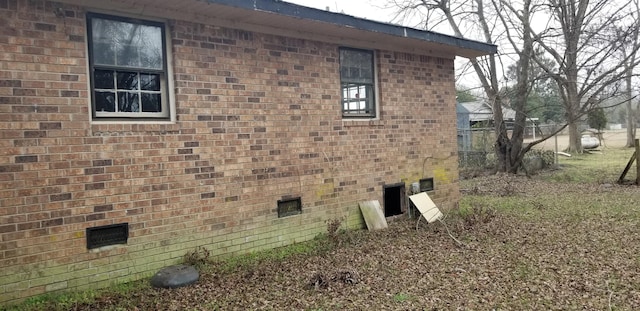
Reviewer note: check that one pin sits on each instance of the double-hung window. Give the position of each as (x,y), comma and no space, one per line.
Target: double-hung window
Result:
(128,67)
(357,79)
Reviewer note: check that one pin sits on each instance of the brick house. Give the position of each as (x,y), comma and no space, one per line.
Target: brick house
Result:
(133,131)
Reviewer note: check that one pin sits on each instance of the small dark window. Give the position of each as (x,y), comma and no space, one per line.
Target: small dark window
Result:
(357,80)
(426,184)
(289,207)
(107,235)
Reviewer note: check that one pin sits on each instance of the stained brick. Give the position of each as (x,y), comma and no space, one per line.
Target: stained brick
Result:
(160,187)
(69,93)
(24,92)
(7,228)
(102,208)
(135,211)
(50,125)
(26,159)
(35,134)
(10,83)
(208,195)
(45,27)
(94,170)
(94,186)
(74,219)
(52,222)
(192,170)
(94,217)
(106,162)
(76,38)
(11,168)
(60,197)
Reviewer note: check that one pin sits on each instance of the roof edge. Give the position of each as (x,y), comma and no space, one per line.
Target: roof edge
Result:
(298,11)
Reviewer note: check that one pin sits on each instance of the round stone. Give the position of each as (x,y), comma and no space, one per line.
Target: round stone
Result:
(175,276)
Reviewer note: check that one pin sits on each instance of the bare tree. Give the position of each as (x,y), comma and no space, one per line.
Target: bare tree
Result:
(584,37)
(499,20)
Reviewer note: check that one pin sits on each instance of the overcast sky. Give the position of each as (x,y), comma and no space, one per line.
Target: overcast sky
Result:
(369,9)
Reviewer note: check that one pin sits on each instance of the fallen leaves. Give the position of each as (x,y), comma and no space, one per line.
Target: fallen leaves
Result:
(533,245)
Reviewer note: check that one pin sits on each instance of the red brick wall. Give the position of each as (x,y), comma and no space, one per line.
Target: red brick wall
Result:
(258,120)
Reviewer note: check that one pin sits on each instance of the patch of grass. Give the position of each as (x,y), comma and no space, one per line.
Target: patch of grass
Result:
(401,297)
(71,300)
(601,167)
(54,301)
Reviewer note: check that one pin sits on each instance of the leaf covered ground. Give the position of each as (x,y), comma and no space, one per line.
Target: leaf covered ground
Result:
(541,243)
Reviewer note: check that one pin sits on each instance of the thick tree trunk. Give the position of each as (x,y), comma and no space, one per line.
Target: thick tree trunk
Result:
(573,106)
(574,138)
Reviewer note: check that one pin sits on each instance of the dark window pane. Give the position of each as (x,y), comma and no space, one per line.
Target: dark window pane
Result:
(150,45)
(126,44)
(356,66)
(150,82)
(127,80)
(105,101)
(128,102)
(104,53)
(103,79)
(128,56)
(104,35)
(151,103)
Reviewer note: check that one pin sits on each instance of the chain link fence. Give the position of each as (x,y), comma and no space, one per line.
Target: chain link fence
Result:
(476,146)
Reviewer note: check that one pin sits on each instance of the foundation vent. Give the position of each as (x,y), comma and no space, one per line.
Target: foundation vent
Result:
(288,207)
(107,235)
(426,184)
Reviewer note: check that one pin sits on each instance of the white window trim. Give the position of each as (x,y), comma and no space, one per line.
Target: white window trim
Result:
(170,85)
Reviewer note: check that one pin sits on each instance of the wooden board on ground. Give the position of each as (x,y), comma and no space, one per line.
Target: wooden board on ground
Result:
(373,215)
(425,205)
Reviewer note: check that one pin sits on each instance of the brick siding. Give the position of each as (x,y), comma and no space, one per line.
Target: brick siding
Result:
(258,120)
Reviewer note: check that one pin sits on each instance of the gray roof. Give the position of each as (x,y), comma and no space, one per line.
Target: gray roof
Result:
(303,19)
(481,111)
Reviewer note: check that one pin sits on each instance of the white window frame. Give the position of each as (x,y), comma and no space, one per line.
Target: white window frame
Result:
(167,113)
(368,108)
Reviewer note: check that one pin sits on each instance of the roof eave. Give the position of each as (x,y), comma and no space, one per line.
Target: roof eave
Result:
(460,46)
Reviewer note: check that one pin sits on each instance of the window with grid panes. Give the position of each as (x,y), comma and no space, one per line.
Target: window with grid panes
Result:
(128,66)
(357,80)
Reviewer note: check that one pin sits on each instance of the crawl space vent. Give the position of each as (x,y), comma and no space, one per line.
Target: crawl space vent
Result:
(107,235)
(289,207)
(426,184)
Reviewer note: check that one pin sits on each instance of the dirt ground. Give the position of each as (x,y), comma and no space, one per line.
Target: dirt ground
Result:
(612,139)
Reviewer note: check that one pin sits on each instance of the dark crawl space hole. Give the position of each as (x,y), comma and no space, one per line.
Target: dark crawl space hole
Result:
(394,199)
